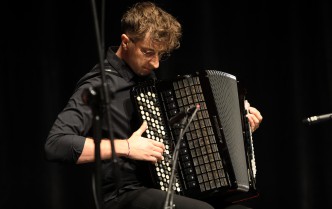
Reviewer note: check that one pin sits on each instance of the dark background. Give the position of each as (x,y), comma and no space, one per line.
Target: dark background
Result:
(281,52)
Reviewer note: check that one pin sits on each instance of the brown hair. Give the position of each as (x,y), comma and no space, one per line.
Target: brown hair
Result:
(145,17)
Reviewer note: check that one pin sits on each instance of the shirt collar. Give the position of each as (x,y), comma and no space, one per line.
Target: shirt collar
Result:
(119,65)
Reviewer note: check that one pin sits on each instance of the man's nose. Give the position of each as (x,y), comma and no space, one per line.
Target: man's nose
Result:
(155,61)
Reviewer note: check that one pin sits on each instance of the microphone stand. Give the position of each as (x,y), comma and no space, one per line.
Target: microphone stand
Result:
(170,192)
(92,98)
(105,100)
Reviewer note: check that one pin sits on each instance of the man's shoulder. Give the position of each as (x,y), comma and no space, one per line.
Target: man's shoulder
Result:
(108,69)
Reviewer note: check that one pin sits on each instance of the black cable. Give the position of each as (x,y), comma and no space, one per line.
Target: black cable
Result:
(102,26)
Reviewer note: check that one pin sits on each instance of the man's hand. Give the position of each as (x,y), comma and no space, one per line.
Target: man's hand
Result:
(142,148)
(254,117)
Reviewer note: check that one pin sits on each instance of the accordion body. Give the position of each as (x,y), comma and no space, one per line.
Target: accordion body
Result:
(216,156)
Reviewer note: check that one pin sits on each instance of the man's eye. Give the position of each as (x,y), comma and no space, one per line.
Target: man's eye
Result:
(149,53)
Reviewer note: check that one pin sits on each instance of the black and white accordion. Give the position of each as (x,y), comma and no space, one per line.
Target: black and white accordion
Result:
(216,155)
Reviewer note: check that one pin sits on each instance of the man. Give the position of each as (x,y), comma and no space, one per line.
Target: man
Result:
(149,35)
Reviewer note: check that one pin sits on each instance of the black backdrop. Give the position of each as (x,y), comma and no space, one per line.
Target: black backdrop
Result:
(281,52)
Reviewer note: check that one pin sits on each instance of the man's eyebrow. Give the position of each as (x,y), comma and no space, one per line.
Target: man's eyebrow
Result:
(147,48)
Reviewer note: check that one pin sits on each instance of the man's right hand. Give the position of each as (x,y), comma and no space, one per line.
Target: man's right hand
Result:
(142,148)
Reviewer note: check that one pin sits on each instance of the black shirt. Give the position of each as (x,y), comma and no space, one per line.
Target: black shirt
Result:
(67,136)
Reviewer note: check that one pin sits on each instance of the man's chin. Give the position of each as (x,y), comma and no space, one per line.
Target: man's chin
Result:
(145,73)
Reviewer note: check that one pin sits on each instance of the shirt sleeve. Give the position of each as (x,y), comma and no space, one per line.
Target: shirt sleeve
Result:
(67,136)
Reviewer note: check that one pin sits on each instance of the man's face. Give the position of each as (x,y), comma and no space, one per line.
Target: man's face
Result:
(143,56)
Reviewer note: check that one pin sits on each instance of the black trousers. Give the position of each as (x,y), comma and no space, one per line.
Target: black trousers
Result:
(147,198)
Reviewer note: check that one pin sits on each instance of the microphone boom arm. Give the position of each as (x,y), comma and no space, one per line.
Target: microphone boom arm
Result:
(170,192)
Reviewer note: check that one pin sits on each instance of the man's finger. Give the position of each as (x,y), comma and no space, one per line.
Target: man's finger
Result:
(142,129)
(158,144)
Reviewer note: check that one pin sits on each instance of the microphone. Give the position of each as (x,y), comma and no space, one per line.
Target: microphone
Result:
(182,114)
(317,119)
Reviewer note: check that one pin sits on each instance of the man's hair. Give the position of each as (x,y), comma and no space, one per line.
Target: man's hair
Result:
(146,18)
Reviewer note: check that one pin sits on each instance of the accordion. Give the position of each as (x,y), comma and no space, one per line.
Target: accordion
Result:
(216,155)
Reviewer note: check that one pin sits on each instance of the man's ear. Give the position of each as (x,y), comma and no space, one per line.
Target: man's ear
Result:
(125,40)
